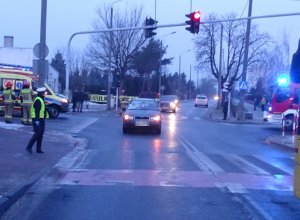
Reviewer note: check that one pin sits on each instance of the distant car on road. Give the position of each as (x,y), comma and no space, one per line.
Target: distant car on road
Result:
(201,100)
(168,103)
(142,113)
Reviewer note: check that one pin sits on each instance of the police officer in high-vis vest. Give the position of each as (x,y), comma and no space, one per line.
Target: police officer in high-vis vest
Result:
(9,97)
(38,115)
(26,96)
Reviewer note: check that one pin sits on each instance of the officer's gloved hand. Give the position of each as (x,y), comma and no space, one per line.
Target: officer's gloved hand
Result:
(37,123)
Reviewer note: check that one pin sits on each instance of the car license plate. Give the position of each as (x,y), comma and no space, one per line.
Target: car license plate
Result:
(141,123)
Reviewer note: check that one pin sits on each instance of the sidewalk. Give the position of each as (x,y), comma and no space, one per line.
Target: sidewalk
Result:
(285,143)
(217,115)
(20,169)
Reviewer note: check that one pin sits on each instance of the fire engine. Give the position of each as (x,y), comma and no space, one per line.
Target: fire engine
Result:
(55,103)
(284,102)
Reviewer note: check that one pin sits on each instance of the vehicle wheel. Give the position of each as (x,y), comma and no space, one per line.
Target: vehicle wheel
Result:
(195,106)
(207,106)
(53,111)
(289,122)
(125,130)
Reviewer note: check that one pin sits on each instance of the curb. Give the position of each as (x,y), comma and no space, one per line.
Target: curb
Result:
(281,146)
(13,195)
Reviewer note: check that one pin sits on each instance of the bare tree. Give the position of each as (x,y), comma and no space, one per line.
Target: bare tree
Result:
(124,43)
(207,43)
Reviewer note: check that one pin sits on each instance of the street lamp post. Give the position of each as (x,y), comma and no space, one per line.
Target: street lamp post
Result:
(161,48)
(110,58)
(179,68)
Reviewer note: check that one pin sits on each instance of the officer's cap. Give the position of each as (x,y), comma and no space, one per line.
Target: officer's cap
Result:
(42,89)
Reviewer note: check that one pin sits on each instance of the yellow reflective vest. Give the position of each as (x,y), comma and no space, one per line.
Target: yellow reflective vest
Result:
(27,96)
(43,113)
(9,96)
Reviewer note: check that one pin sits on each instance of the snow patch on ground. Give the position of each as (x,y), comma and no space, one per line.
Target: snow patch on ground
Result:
(11,126)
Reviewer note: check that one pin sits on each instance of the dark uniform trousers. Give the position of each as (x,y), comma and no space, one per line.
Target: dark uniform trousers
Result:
(38,134)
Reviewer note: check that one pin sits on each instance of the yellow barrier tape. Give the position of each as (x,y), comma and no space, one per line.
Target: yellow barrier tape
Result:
(102,98)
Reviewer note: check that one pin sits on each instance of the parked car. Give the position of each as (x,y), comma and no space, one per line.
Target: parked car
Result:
(142,113)
(168,103)
(201,100)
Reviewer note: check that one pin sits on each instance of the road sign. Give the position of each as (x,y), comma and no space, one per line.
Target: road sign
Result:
(226,86)
(243,85)
(37,48)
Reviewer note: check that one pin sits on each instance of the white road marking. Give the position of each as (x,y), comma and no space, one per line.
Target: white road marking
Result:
(202,161)
(75,156)
(82,125)
(258,208)
(233,187)
(245,165)
(276,163)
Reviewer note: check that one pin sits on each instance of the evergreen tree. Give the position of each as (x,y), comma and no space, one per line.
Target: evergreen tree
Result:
(58,63)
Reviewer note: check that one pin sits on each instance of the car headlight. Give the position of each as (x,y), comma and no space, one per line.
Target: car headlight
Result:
(64,100)
(128,117)
(156,118)
(176,101)
(270,108)
(172,105)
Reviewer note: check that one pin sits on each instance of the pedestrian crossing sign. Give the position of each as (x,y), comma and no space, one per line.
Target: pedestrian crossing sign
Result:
(243,85)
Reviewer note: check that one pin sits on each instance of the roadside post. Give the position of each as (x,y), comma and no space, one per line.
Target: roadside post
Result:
(283,125)
(297,166)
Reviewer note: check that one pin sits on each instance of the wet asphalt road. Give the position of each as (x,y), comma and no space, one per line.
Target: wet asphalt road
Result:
(196,169)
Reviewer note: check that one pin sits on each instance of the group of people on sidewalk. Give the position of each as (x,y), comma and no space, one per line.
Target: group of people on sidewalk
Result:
(78,98)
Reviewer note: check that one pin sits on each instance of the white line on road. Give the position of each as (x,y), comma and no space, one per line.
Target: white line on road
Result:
(82,125)
(276,163)
(201,160)
(245,165)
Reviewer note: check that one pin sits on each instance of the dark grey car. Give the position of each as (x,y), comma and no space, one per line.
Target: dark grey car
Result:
(168,103)
(142,113)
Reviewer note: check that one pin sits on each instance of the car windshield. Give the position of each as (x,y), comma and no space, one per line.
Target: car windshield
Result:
(201,97)
(282,94)
(143,105)
(168,98)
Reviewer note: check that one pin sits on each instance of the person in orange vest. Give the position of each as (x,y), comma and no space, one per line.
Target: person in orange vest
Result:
(8,98)
(26,96)
(39,114)
(263,102)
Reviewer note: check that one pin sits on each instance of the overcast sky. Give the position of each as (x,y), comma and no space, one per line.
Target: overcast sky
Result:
(21,19)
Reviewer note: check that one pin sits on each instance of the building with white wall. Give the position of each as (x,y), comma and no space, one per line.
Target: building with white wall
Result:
(10,55)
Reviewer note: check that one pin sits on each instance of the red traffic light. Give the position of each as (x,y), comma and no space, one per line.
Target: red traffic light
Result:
(196,16)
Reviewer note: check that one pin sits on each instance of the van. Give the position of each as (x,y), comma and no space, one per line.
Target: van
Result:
(55,103)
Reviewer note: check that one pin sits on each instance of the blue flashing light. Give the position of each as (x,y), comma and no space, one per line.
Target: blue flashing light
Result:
(283,80)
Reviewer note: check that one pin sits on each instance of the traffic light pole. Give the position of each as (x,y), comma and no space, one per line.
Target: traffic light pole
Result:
(68,59)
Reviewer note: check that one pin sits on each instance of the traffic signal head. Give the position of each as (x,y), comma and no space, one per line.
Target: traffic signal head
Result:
(193,22)
(149,31)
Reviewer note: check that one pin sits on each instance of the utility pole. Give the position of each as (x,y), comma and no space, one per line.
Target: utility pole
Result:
(110,54)
(42,69)
(245,63)
(220,70)
(190,92)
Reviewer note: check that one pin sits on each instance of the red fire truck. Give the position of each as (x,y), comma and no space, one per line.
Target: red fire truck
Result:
(284,102)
